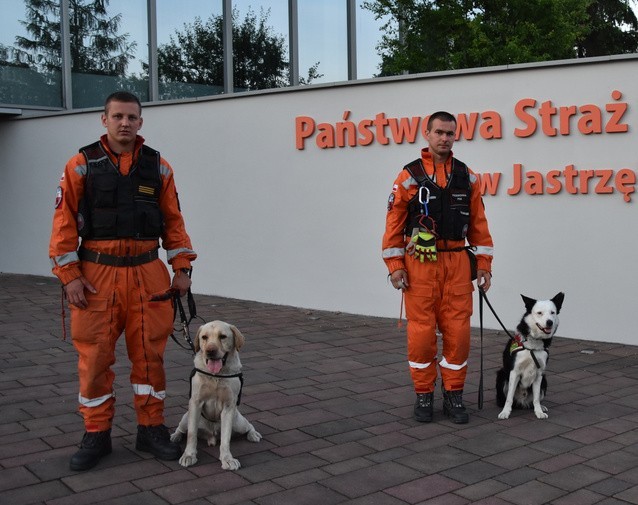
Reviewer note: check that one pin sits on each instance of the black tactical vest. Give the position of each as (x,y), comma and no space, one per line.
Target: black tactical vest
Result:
(449,207)
(120,206)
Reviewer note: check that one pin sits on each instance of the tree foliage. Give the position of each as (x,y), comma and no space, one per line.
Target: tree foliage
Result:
(195,54)
(96,45)
(613,29)
(429,35)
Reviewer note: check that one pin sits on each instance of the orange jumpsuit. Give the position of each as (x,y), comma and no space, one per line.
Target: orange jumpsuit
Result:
(121,303)
(439,292)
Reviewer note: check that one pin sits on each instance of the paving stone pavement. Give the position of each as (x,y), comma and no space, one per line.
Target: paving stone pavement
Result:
(331,394)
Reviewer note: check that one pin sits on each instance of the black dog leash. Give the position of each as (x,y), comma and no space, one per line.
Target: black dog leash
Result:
(173,294)
(483,296)
(184,321)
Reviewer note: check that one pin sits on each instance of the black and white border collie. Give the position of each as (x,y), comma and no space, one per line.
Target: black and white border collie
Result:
(521,383)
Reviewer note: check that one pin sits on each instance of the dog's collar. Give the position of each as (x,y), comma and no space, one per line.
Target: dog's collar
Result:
(239,376)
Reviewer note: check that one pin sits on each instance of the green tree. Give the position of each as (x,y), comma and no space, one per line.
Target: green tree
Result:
(195,55)
(429,35)
(613,29)
(96,45)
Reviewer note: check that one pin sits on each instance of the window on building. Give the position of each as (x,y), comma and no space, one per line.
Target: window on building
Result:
(30,54)
(190,53)
(323,45)
(109,50)
(368,36)
(260,44)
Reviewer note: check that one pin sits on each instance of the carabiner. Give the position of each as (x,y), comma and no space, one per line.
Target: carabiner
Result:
(427,198)
(424,204)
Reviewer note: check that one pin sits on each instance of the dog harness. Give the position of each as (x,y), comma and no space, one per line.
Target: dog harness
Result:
(239,376)
(518,344)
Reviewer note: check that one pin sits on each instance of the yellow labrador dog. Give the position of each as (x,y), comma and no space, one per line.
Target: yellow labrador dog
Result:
(216,383)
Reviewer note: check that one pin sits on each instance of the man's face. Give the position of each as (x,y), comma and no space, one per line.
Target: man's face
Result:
(441,137)
(122,121)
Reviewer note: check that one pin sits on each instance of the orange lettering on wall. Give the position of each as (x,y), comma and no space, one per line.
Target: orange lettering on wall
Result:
(591,121)
(618,110)
(465,127)
(554,185)
(520,109)
(492,126)
(304,128)
(626,183)
(534,184)
(547,111)
(488,182)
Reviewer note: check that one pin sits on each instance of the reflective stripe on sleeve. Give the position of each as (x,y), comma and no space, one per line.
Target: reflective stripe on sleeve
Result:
(170,254)
(164,170)
(410,181)
(393,252)
(65,259)
(485,250)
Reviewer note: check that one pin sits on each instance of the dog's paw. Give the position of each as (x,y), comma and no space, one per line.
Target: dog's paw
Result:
(540,414)
(253,435)
(230,463)
(188,459)
(177,436)
(505,414)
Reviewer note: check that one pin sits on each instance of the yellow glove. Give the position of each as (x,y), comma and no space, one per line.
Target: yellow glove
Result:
(424,246)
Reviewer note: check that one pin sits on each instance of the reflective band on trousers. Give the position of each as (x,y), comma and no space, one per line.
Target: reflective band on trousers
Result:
(444,363)
(414,364)
(146,389)
(94,402)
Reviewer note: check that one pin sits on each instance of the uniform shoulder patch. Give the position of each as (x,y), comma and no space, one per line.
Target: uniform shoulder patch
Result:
(58,196)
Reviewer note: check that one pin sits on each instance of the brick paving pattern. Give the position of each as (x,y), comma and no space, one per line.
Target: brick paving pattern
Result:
(331,394)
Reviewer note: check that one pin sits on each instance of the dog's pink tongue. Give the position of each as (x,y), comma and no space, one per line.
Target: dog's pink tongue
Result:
(214,365)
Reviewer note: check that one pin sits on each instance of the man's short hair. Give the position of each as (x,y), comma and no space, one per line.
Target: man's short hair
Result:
(122,96)
(442,116)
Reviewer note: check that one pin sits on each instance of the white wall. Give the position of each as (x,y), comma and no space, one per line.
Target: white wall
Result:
(303,227)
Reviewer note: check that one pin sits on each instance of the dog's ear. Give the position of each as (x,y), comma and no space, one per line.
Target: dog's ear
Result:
(239,338)
(196,343)
(529,303)
(558,301)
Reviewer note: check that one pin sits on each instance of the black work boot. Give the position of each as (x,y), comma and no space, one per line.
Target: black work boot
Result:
(453,406)
(424,407)
(156,440)
(94,445)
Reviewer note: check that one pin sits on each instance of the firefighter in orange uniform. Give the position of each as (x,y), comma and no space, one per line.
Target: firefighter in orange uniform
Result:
(434,208)
(116,200)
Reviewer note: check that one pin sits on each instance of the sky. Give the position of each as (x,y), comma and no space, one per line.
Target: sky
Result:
(322,29)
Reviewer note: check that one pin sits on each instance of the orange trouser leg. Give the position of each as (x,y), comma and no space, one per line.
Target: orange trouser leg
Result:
(95,331)
(147,329)
(421,307)
(121,304)
(454,319)
(440,294)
